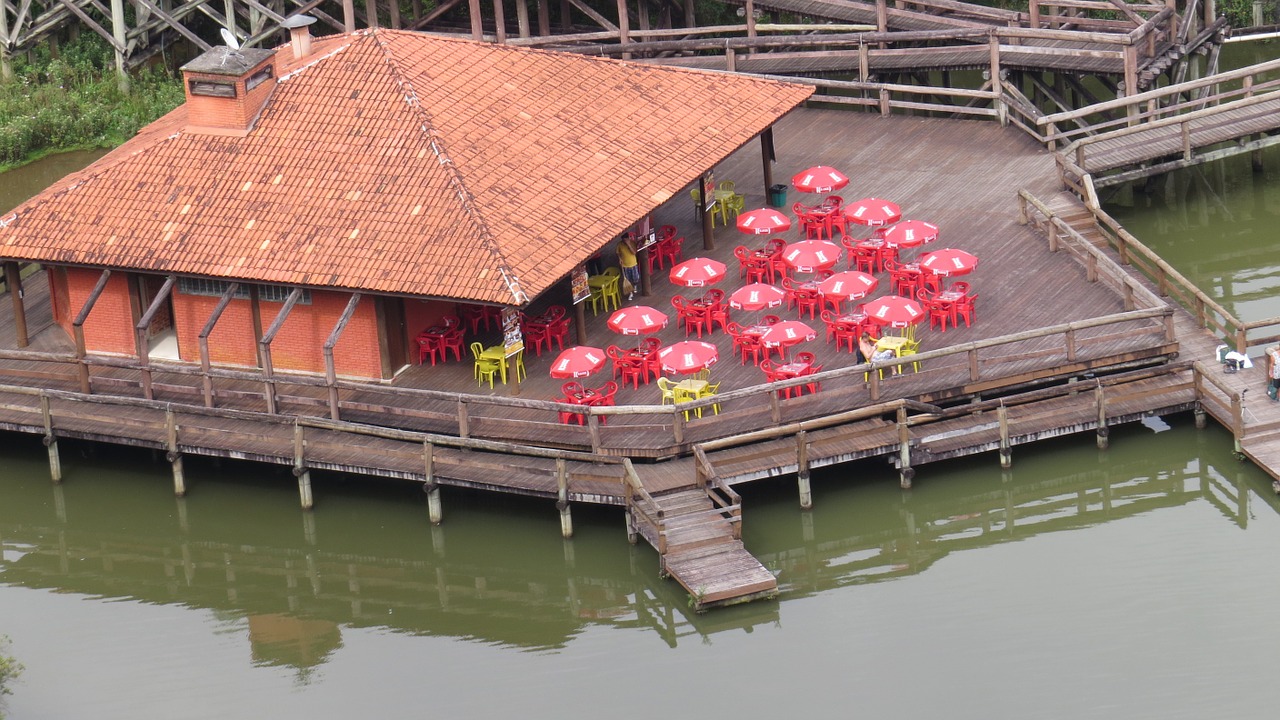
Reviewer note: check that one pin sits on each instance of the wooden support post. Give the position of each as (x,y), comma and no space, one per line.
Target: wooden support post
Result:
(264,349)
(544,18)
(77,330)
(142,329)
(371,12)
(1201,417)
(173,455)
(13,280)
(118,30)
(1237,420)
(51,441)
(206,380)
(593,429)
(348,15)
(705,196)
(580,315)
(522,18)
(1033,10)
(6,69)
(767,156)
(905,472)
(499,19)
(464,429)
(997,96)
(802,470)
(1100,400)
(330,370)
(751,22)
(1069,339)
(477,20)
(632,535)
(434,512)
(624,27)
(1006,449)
(300,469)
(1131,80)
(562,499)
(730,60)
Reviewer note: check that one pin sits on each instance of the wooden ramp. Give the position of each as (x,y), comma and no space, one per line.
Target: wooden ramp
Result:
(698,535)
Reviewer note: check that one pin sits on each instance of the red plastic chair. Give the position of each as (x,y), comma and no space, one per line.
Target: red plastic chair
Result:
(557,332)
(671,250)
(452,340)
(536,336)
(771,375)
(689,315)
(743,254)
(965,309)
(427,347)
(649,347)
(810,300)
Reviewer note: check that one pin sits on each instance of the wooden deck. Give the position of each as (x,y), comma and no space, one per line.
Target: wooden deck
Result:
(434,425)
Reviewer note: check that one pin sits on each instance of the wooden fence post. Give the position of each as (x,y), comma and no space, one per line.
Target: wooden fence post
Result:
(802,470)
(50,440)
(562,499)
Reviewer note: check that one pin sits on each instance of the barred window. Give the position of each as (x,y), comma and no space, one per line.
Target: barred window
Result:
(258,78)
(215,288)
(213,89)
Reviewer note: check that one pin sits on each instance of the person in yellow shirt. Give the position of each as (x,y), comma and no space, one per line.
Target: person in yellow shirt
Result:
(630,264)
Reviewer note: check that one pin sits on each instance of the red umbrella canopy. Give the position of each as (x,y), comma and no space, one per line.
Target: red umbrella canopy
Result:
(637,319)
(787,332)
(811,255)
(763,222)
(819,179)
(894,311)
(949,261)
(848,285)
(756,296)
(910,233)
(698,272)
(873,212)
(578,361)
(688,356)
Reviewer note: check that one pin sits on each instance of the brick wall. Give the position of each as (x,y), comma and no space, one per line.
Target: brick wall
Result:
(300,342)
(109,327)
(222,112)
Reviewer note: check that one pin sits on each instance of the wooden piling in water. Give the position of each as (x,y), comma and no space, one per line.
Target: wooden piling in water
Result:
(1104,432)
(172,455)
(1006,448)
(802,470)
(562,499)
(51,441)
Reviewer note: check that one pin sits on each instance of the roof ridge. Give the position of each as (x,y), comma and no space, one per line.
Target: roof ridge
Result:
(455,177)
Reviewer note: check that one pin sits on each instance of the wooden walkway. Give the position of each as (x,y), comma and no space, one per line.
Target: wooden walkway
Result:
(434,426)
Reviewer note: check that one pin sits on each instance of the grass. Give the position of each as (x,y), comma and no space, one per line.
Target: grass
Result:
(74,101)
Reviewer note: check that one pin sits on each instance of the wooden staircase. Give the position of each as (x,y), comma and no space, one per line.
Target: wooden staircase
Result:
(698,535)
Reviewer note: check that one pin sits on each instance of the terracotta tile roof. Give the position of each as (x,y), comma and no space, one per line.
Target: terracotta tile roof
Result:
(398,162)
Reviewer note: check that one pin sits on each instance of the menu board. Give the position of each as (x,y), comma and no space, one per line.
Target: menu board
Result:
(578,284)
(512,338)
(645,233)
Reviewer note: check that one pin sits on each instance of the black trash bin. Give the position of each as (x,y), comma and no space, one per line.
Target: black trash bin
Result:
(778,196)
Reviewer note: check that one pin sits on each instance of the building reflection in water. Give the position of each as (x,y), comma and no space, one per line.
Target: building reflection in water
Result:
(296,589)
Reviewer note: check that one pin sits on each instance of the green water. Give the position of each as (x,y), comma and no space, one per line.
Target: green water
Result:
(1136,582)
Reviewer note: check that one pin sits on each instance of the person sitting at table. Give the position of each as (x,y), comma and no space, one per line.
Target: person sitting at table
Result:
(867,350)
(630,264)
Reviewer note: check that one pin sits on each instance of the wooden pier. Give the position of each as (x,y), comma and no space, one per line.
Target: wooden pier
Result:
(1036,364)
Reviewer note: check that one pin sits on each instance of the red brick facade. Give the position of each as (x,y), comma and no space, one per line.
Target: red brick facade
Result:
(298,346)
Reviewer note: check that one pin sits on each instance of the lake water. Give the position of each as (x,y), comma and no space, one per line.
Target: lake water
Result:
(1135,582)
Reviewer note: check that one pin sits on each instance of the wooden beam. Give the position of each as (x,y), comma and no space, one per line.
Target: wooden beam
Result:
(264,346)
(144,324)
(439,10)
(13,279)
(117,45)
(77,329)
(330,371)
(477,19)
(591,13)
(175,24)
(203,340)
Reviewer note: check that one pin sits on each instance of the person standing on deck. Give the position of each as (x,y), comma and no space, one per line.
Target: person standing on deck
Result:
(630,264)
(1273,372)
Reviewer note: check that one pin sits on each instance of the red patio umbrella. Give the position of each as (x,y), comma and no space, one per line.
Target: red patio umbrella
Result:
(894,311)
(949,261)
(872,212)
(910,233)
(787,333)
(698,272)
(848,285)
(819,179)
(763,221)
(637,319)
(811,255)
(578,361)
(688,356)
(756,296)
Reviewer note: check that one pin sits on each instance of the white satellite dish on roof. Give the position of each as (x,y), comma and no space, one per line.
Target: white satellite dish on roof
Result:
(229,38)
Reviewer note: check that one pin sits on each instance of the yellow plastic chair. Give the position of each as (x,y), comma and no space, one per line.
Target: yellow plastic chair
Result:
(668,390)
(608,292)
(485,368)
(680,395)
(911,348)
(710,391)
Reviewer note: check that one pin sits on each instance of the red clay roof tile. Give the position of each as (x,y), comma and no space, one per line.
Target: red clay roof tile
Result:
(405,163)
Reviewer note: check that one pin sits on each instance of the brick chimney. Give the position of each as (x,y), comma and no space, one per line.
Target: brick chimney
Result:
(299,34)
(227,89)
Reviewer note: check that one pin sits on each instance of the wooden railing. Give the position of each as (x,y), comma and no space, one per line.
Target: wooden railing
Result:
(1220,400)
(1169,282)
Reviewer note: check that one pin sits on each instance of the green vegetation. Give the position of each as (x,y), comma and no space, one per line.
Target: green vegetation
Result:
(74,101)
(10,669)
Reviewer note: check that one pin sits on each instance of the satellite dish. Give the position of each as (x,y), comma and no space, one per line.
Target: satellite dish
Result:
(229,39)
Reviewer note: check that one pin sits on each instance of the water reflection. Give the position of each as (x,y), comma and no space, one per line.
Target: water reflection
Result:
(497,571)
